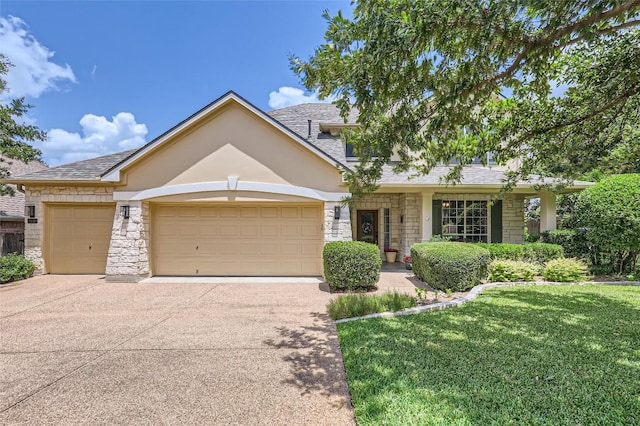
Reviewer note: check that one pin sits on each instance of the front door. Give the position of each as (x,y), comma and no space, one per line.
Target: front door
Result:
(368,226)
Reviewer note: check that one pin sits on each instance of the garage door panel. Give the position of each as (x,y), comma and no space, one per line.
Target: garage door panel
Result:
(78,238)
(238,240)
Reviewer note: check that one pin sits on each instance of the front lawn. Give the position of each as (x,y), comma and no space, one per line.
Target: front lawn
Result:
(543,355)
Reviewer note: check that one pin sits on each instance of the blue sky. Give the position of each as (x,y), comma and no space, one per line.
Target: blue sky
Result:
(105,76)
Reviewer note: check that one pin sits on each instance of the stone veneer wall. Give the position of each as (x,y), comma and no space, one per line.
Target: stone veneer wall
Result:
(38,195)
(128,258)
(410,232)
(512,213)
(513,219)
(403,234)
(336,229)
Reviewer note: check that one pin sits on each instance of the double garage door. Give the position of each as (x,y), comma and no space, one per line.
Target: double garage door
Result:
(212,239)
(237,239)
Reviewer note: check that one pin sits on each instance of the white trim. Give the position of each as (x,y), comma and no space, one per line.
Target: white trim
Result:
(190,188)
(114,175)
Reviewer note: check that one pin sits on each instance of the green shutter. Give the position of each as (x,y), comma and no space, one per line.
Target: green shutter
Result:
(496,222)
(436,215)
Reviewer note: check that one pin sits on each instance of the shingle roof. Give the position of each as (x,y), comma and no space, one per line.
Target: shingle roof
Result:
(296,119)
(81,170)
(13,206)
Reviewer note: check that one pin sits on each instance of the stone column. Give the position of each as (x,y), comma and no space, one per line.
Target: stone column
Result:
(547,211)
(128,257)
(336,229)
(426,221)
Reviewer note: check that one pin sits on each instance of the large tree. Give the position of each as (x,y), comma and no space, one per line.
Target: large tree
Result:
(14,134)
(434,80)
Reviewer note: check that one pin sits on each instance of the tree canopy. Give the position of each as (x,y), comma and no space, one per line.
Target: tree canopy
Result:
(15,135)
(436,80)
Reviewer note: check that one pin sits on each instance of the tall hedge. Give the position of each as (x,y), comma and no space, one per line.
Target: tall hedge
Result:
(351,265)
(529,252)
(610,213)
(450,265)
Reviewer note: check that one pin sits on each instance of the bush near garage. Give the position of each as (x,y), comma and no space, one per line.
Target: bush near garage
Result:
(529,252)
(351,265)
(14,267)
(512,270)
(566,270)
(450,265)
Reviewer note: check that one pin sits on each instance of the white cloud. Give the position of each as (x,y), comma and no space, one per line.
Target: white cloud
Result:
(287,96)
(99,137)
(33,72)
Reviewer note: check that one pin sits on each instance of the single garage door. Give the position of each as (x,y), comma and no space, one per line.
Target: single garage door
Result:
(79,238)
(237,239)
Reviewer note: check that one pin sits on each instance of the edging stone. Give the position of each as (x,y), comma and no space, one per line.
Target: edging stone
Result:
(473,293)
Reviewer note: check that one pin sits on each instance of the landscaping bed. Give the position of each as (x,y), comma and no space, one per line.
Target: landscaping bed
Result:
(516,355)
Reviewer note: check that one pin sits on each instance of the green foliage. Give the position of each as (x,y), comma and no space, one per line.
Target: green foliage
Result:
(512,270)
(15,267)
(529,252)
(573,243)
(356,305)
(426,78)
(566,270)
(610,212)
(449,265)
(14,137)
(531,355)
(351,265)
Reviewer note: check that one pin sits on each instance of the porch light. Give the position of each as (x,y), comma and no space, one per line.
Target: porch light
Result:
(336,212)
(124,211)
(30,211)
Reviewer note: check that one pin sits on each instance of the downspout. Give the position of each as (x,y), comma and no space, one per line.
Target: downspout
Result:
(20,188)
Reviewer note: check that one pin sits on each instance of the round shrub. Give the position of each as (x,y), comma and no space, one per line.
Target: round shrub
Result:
(512,270)
(449,265)
(565,270)
(351,265)
(15,267)
(610,212)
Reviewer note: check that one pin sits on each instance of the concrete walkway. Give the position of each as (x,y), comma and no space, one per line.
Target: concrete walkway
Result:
(77,350)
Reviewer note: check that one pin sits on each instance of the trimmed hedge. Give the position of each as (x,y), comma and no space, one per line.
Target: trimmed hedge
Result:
(529,252)
(565,270)
(14,267)
(512,270)
(351,265)
(450,265)
(573,243)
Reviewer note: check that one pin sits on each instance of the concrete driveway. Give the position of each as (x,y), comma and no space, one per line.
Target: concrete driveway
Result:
(77,350)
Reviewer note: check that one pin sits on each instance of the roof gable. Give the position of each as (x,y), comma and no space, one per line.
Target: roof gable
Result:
(114,173)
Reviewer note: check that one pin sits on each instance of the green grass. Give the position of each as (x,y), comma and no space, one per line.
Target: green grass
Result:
(355,305)
(543,355)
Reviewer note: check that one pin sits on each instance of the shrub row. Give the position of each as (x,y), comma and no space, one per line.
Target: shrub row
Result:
(351,265)
(529,252)
(449,265)
(557,270)
(15,267)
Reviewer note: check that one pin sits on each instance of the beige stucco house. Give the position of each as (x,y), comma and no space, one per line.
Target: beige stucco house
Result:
(235,191)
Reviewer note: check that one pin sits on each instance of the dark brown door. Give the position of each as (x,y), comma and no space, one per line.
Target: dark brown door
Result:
(368,226)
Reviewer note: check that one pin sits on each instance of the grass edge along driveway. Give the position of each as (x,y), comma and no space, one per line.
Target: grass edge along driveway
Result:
(555,355)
